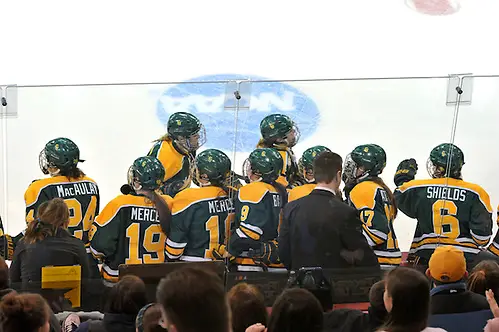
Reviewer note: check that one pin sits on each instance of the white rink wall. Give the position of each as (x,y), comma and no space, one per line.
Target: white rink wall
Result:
(155,43)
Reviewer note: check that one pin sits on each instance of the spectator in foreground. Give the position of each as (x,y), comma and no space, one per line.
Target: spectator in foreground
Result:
(247,307)
(125,299)
(447,270)
(149,319)
(24,312)
(193,299)
(484,276)
(407,300)
(47,242)
(330,238)
(377,312)
(296,310)
(4,279)
(356,320)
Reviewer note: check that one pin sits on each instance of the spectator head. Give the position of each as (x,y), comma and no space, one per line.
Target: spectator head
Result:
(24,312)
(51,215)
(128,296)
(447,265)
(296,310)
(376,298)
(4,274)
(407,300)
(247,307)
(193,299)
(149,319)
(484,276)
(327,169)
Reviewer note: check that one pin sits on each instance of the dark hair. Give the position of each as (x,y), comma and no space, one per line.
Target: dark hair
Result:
(326,165)
(247,306)
(152,318)
(283,193)
(4,274)
(296,310)
(51,215)
(377,310)
(410,293)
(72,173)
(128,296)
(484,276)
(376,295)
(379,181)
(23,312)
(194,300)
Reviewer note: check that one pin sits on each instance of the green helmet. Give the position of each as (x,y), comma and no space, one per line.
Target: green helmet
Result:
(60,153)
(146,173)
(305,164)
(439,159)
(214,166)
(371,158)
(279,128)
(265,162)
(186,130)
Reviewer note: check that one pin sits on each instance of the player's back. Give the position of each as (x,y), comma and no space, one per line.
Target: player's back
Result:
(80,195)
(177,166)
(128,231)
(201,218)
(377,213)
(259,205)
(449,211)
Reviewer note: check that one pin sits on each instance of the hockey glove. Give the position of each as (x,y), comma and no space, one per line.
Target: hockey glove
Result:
(406,171)
(268,253)
(6,247)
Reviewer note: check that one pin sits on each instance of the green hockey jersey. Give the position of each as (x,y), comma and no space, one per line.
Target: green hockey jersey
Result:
(80,195)
(494,246)
(448,212)
(200,218)
(258,215)
(127,231)
(178,167)
(377,214)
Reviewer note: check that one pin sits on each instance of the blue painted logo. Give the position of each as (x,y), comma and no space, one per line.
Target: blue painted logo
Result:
(215,106)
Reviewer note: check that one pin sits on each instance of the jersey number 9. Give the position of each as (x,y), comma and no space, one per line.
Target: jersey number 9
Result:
(143,253)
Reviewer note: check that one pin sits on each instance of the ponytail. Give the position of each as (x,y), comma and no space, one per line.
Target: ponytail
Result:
(51,216)
(391,197)
(283,193)
(166,137)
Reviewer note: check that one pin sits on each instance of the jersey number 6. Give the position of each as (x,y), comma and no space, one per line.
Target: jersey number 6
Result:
(445,222)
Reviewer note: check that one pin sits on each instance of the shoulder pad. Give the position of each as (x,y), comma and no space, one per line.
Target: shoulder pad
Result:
(254,192)
(363,195)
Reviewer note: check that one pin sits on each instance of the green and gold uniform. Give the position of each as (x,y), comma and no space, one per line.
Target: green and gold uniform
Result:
(178,166)
(300,191)
(80,195)
(376,214)
(127,231)
(494,245)
(258,216)
(201,218)
(449,212)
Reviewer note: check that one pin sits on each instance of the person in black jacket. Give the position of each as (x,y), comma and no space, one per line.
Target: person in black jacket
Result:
(320,230)
(47,243)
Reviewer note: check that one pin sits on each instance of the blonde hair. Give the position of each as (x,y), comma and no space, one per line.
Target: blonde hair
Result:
(51,215)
